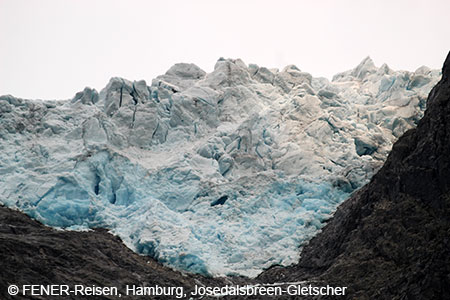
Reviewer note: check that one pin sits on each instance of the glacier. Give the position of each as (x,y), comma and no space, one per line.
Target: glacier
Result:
(221,173)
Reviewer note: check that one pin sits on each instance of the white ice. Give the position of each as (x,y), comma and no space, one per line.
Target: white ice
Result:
(220,173)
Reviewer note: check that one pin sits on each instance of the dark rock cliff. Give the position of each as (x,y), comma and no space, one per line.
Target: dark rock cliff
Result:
(391,239)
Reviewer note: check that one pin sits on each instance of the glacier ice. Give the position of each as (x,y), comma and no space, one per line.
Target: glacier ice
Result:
(227,172)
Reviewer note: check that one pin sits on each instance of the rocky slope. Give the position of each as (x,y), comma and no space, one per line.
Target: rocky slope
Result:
(220,173)
(391,240)
(31,253)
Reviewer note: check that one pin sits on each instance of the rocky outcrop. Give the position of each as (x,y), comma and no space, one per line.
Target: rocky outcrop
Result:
(391,240)
(31,253)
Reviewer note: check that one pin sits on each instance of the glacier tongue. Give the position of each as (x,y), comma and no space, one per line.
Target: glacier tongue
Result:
(220,173)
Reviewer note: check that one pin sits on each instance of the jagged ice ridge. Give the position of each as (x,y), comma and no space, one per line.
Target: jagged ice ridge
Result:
(220,173)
